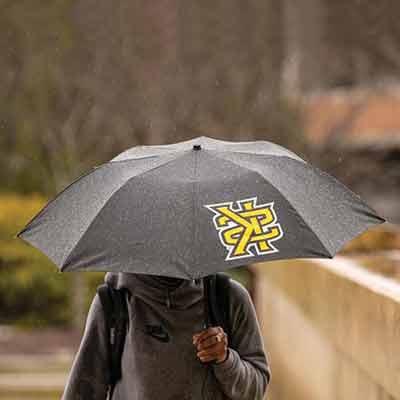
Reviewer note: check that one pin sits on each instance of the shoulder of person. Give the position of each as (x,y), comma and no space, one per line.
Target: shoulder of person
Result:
(96,311)
(239,295)
(243,317)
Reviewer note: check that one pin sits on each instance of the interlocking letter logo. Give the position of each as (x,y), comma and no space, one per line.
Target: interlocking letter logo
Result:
(247,230)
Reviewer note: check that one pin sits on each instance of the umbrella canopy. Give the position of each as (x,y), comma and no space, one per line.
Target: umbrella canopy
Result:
(196,207)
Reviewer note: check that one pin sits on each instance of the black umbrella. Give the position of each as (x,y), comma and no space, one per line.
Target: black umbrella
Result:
(196,207)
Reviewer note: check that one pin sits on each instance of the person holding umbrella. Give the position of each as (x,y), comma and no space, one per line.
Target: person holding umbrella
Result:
(183,212)
(179,360)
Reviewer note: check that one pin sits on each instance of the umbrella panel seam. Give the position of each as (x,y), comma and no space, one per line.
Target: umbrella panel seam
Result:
(65,262)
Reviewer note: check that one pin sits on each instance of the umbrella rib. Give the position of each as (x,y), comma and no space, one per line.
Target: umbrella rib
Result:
(277,189)
(195,188)
(65,262)
(76,180)
(55,198)
(133,158)
(114,161)
(289,154)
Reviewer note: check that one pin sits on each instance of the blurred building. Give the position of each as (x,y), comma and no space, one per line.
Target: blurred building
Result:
(355,135)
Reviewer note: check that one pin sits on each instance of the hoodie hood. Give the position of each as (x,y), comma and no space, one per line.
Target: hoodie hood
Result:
(151,289)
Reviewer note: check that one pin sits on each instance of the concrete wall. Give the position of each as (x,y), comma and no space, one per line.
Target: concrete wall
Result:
(331,330)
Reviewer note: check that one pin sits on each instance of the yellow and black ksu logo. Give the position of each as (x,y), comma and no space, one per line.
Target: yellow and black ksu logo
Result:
(248,229)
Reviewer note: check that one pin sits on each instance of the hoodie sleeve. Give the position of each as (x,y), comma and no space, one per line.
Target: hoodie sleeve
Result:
(245,374)
(88,376)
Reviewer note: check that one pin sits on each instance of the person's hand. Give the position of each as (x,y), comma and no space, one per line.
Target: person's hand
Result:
(211,344)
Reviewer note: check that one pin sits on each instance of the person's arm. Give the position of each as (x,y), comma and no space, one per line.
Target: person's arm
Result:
(88,376)
(245,373)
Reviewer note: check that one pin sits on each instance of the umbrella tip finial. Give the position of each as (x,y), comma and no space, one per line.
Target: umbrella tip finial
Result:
(196,147)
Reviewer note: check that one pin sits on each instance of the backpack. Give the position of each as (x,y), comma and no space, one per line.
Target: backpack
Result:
(216,288)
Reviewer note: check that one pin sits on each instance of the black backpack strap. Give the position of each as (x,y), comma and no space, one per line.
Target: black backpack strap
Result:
(219,301)
(116,317)
(222,289)
(108,310)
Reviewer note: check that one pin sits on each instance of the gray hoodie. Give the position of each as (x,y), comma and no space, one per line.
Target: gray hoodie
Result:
(157,370)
